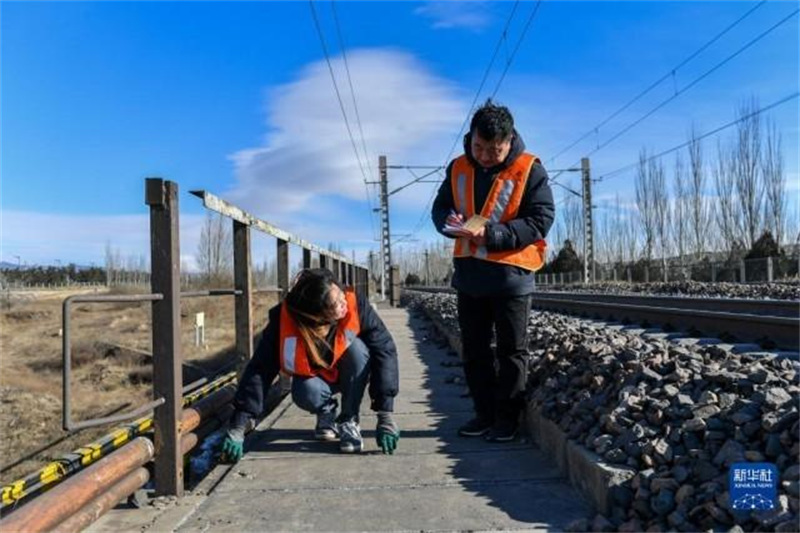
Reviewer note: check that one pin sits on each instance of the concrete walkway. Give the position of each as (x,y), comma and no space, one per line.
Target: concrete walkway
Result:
(435,481)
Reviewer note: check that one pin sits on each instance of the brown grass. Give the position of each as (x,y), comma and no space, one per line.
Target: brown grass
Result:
(111,362)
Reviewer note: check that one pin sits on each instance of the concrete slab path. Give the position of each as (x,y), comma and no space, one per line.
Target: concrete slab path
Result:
(435,481)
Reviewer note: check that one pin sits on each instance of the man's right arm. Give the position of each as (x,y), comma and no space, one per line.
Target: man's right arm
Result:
(443,205)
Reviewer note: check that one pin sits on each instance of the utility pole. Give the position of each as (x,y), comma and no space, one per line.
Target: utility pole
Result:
(588,232)
(427,269)
(386,242)
(386,238)
(371,266)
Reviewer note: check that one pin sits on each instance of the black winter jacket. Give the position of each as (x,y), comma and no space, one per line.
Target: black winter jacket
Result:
(264,367)
(477,277)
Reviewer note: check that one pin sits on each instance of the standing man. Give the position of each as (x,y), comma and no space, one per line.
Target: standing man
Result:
(495,255)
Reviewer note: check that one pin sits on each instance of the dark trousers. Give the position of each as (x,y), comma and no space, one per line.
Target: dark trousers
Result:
(496,380)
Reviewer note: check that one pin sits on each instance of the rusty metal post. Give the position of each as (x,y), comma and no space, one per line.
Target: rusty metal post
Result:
(351,279)
(162,197)
(324,261)
(306,258)
(335,269)
(283,267)
(242,281)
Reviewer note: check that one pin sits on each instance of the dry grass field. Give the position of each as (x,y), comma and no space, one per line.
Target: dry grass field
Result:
(112,371)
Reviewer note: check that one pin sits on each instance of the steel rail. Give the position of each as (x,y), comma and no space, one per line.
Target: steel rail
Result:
(781,331)
(770,323)
(790,308)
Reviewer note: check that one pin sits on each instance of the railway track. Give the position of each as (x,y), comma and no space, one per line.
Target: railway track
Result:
(769,323)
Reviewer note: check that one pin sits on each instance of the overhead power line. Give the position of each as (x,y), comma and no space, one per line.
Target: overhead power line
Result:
(669,74)
(764,109)
(415,180)
(693,82)
(367,159)
(350,83)
(503,36)
(336,86)
(341,104)
(516,47)
(689,86)
(509,62)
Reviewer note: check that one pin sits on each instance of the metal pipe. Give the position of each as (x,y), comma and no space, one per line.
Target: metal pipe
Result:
(193,416)
(188,442)
(96,508)
(51,508)
(207,390)
(194,385)
(211,292)
(215,422)
(69,464)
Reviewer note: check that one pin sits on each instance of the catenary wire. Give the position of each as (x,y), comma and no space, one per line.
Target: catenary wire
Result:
(669,74)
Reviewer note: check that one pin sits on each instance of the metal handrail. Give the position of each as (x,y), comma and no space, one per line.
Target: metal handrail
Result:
(67,422)
(215,203)
(66,407)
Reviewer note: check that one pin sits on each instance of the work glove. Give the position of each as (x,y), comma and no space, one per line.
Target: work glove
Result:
(233,446)
(387,433)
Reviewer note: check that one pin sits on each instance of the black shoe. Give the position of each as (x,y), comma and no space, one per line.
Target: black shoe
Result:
(475,428)
(502,432)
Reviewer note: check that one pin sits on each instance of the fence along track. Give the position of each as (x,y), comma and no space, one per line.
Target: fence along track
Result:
(772,323)
(179,428)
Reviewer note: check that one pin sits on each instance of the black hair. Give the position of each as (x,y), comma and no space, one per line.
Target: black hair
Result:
(492,122)
(309,298)
(309,304)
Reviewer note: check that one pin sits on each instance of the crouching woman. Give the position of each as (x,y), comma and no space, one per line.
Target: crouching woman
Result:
(331,342)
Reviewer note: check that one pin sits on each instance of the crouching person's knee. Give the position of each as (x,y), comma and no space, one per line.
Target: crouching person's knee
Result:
(310,394)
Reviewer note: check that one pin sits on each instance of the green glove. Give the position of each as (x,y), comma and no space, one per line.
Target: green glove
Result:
(233,446)
(387,433)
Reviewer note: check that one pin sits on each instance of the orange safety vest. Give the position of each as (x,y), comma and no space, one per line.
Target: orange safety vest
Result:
(502,205)
(294,357)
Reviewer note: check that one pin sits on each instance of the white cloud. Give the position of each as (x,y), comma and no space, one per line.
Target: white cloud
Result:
(447,15)
(306,164)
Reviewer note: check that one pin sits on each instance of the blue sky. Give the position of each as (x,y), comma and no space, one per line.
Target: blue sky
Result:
(236,98)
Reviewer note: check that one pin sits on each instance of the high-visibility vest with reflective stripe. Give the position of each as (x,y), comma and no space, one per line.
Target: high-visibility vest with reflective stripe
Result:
(502,205)
(294,356)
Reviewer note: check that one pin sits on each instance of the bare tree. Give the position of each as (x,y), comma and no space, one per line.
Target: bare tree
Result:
(605,232)
(698,205)
(214,251)
(644,202)
(660,203)
(680,210)
(725,212)
(572,216)
(747,171)
(630,236)
(618,237)
(775,182)
(113,264)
